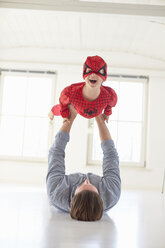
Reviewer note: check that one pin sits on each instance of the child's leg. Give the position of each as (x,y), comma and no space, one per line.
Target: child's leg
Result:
(54,111)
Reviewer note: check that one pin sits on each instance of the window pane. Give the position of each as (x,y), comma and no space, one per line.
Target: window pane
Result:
(130,101)
(24,124)
(36,137)
(39,96)
(129,141)
(14,95)
(126,124)
(128,144)
(11,132)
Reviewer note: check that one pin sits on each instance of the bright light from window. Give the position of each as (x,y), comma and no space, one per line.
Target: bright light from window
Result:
(26,101)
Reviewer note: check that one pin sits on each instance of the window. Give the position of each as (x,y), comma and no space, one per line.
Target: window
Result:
(24,125)
(127,123)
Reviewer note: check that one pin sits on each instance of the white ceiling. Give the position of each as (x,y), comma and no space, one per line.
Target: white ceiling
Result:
(82,32)
(147,2)
(126,7)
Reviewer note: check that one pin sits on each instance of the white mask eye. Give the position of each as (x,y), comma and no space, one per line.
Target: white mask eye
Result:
(101,71)
(88,70)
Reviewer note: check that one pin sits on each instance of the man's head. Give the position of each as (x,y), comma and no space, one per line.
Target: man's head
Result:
(86,185)
(86,204)
(96,65)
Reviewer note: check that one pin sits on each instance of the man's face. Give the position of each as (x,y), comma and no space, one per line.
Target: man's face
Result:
(86,185)
(93,80)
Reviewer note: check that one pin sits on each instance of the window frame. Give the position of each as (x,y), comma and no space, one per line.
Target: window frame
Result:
(142,162)
(46,74)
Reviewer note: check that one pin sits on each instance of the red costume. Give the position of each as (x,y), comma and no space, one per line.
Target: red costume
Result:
(73,94)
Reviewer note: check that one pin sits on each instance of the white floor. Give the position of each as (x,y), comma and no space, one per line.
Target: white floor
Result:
(27,221)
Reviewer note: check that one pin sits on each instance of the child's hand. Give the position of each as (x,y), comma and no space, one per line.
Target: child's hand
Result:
(105,117)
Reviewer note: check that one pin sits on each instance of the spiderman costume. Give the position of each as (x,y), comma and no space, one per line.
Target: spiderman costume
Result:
(73,94)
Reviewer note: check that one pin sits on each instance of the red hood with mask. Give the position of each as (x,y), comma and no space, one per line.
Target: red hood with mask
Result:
(96,65)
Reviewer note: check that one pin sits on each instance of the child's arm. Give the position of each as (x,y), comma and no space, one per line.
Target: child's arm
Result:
(65,101)
(62,108)
(112,103)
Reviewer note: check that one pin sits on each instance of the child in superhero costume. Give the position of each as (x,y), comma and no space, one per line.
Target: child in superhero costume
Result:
(89,98)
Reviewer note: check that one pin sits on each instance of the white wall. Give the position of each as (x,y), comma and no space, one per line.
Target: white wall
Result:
(149,178)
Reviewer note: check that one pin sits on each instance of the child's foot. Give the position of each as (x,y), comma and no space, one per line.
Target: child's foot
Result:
(51,115)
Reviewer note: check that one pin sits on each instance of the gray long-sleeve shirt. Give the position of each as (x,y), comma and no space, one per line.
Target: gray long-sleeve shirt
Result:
(61,187)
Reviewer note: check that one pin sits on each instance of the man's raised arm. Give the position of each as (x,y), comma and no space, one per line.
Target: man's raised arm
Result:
(111,173)
(56,157)
(103,129)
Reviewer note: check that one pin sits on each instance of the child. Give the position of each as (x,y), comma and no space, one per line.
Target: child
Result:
(89,98)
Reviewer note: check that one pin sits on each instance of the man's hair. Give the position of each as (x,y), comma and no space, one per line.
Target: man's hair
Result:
(86,206)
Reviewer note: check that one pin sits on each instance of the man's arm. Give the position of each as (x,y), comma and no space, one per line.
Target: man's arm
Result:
(111,173)
(103,130)
(56,157)
(67,122)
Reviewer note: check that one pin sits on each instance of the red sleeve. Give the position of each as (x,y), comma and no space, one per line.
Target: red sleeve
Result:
(65,101)
(113,100)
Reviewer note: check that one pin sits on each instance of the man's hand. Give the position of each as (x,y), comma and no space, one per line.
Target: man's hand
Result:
(106,117)
(73,114)
(102,118)
(67,122)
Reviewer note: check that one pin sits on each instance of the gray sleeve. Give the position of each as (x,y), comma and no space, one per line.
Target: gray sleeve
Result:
(111,172)
(56,162)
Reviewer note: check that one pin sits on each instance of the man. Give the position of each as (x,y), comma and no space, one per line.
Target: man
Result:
(85,196)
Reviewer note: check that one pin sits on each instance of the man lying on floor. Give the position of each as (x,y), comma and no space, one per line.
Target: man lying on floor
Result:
(84,196)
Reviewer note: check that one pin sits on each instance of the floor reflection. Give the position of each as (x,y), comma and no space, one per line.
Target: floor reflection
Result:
(62,231)
(27,220)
